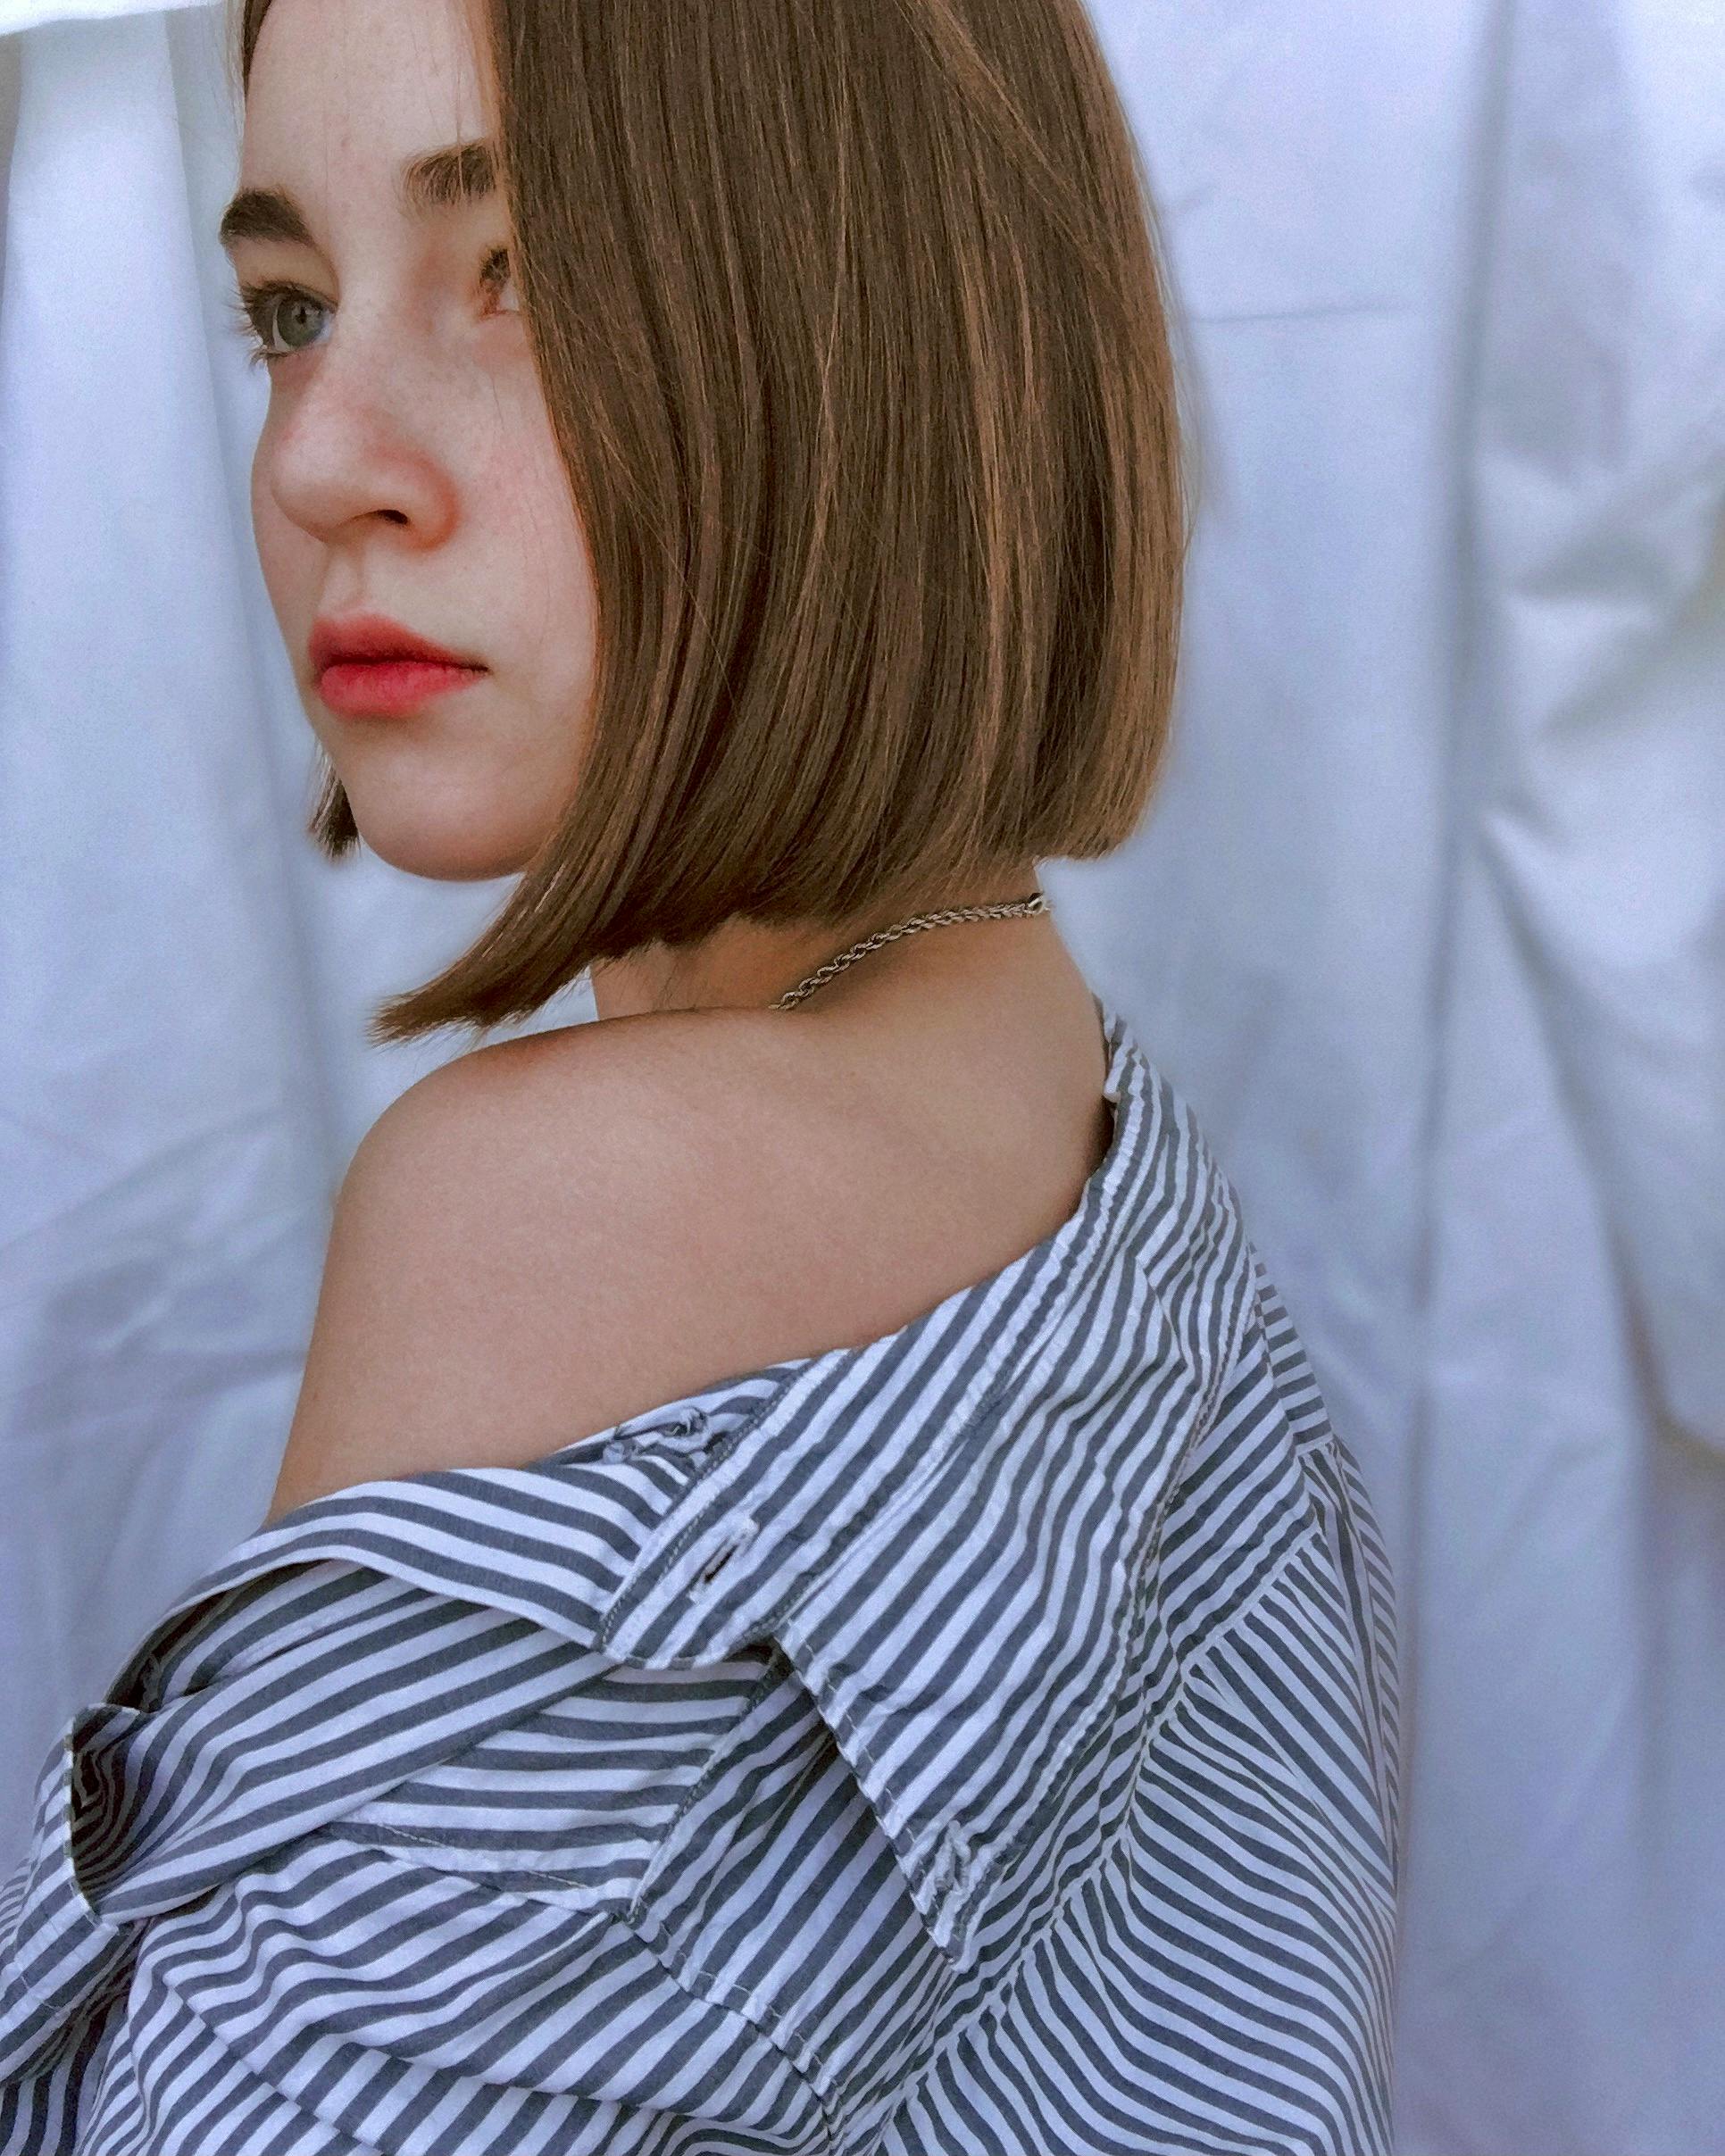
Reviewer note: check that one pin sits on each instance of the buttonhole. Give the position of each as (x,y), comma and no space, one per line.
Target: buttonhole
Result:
(722,1556)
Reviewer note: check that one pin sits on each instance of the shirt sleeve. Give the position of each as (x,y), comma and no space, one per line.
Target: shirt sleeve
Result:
(351,1850)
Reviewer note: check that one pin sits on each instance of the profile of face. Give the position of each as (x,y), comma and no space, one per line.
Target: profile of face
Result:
(407,467)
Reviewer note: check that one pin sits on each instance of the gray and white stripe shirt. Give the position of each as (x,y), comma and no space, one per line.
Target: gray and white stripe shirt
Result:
(978,1743)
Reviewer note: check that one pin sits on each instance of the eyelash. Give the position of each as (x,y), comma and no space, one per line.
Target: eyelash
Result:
(250,309)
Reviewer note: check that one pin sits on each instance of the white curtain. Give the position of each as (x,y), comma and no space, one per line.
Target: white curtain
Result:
(1428,922)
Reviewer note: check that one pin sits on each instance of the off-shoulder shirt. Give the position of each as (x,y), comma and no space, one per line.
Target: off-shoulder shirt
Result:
(982,1741)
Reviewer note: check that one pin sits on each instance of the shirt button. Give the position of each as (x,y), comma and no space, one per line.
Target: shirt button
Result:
(689,1422)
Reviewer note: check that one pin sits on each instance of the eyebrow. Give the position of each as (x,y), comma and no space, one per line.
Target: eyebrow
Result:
(449,179)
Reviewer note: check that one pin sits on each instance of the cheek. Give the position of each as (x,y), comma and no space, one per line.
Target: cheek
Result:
(542,552)
(288,557)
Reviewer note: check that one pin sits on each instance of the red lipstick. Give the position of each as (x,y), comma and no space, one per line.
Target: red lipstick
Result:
(369,666)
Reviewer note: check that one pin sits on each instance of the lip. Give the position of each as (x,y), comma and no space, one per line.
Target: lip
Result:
(366,664)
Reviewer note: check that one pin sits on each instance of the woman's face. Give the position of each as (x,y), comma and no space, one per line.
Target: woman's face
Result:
(407,467)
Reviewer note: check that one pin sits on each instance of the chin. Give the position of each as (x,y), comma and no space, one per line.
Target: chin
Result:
(461,851)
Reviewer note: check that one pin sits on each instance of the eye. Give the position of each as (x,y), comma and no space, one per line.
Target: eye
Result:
(265,311)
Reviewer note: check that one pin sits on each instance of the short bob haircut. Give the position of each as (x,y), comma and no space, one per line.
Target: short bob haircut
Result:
(850,319)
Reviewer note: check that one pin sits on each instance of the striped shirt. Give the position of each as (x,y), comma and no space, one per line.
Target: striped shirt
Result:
(978,1743)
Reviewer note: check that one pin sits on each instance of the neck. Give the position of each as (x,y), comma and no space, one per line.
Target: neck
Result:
(747,965)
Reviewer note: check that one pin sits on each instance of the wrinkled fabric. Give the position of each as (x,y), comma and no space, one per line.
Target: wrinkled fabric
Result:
(983,1740)
(1425,922)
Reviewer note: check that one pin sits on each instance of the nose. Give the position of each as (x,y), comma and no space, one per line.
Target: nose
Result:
(358,439)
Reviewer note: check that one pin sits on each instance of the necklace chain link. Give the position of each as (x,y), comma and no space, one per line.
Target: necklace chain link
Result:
(1036,904)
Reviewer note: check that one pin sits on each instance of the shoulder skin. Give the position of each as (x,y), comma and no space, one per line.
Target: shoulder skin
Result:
(549,1234)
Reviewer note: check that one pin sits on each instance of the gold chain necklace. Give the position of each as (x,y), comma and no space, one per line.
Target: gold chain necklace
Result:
(1037,903)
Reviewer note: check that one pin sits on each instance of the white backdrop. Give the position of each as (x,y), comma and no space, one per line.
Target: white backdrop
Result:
(1429,924)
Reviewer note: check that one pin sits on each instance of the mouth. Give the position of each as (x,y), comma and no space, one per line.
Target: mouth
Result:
(385,687)
(369,666)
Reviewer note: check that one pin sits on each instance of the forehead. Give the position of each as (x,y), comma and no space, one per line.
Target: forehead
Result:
(342,90)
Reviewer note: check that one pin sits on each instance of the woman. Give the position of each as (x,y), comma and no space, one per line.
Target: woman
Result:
(811,1602)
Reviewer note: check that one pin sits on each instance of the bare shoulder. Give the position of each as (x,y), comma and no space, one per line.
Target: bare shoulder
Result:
(549,1234)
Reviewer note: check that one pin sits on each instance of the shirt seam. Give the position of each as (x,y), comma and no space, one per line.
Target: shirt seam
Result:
(777,1666)
(605,1906)
(383,1834)
(689,1976)
(383,1837)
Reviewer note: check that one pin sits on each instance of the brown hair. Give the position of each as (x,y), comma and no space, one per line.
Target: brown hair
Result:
(850,320)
